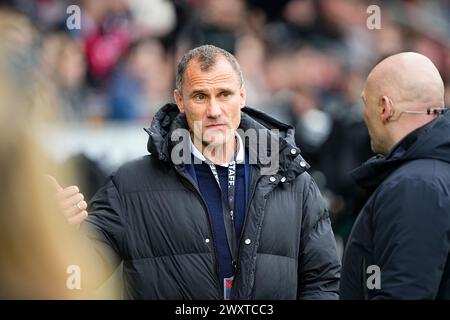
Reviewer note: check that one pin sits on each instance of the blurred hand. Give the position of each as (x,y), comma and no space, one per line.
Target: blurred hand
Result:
(71,200)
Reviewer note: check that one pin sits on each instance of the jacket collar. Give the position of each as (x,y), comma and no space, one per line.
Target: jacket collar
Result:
(291,164)
(431,141)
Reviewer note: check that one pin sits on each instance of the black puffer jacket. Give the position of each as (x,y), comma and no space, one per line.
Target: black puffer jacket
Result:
(404,228)
(152,216)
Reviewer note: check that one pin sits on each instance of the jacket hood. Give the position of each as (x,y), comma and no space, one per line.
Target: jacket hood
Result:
(168,119)
(431,141)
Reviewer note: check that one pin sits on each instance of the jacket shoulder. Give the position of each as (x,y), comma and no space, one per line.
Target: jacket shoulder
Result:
(431,173)
(416,190)
(141,174)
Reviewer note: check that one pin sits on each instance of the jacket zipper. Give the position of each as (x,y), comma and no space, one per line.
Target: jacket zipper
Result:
(194,188)
(250,199)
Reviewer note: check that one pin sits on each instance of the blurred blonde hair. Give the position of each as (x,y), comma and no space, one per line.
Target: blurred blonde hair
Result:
(37,245)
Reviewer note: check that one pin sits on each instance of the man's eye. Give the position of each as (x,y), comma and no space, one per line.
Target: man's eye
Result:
(225,94)
(200,96)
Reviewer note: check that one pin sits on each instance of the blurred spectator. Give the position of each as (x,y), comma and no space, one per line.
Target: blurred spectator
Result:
(141,83)
(250,53)
(64,60)
(108,37)
(215,22)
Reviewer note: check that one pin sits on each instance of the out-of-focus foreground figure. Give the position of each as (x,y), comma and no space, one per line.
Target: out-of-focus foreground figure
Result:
(41,255)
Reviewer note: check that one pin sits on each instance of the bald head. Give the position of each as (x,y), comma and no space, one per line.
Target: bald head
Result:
(410,79)
(397,93)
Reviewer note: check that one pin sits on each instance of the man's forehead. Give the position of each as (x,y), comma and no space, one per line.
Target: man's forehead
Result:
(220,71)
(198,63)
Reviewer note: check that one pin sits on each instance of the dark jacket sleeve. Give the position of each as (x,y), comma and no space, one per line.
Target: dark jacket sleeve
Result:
(105,226)
(411,239)
(319,265)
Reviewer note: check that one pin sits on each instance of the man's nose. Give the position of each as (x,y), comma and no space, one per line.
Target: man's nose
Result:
(214,110)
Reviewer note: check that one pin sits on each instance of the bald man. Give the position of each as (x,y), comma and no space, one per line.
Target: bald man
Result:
(400,243)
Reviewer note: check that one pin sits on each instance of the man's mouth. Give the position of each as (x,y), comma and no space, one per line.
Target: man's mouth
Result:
(215,125)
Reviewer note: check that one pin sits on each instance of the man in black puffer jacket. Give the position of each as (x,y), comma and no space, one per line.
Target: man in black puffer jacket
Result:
(165,218)
(400,244)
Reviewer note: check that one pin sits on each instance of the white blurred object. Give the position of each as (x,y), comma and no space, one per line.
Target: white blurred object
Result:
(315,126)
(110,146)
(157,16)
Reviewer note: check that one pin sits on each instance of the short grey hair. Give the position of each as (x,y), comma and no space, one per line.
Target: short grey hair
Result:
(206,55)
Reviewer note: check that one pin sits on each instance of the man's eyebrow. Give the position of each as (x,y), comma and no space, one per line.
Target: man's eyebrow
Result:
(197,91)
(226,89)
(204,91)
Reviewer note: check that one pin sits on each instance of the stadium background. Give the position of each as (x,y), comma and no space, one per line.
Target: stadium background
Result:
(304,62)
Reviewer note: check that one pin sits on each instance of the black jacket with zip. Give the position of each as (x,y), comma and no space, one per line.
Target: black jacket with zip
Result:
(151,216)
(404,228)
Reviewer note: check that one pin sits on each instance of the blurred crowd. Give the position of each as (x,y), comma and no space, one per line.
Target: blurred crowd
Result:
(304,62)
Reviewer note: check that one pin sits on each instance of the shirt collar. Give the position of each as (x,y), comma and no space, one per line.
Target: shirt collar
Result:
(239,155)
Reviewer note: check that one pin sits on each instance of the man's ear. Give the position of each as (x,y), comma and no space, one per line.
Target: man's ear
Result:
(178,100)
(386,108)
(243,95)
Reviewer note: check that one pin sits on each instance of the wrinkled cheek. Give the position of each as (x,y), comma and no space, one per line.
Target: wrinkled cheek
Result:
(195,119)
(236,119)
